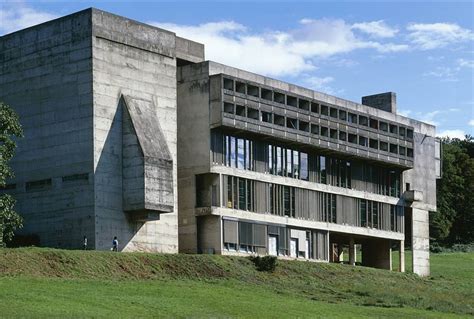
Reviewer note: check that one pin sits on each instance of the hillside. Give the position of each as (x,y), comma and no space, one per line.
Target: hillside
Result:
(38,282)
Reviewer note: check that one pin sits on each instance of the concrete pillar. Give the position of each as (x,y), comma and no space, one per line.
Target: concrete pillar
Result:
(352,252)
(421,242)
(402,256)
(377,253)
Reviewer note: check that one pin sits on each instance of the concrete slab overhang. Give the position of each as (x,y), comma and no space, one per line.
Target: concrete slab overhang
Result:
(147,164)
(298,223)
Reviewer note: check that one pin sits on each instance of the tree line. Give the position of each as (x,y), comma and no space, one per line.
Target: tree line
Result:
(453,222)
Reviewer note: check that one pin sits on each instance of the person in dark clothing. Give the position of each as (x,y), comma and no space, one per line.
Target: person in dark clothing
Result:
(115,244)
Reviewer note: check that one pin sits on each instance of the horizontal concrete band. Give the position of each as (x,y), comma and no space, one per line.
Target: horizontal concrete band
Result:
(269,178)
(266,218)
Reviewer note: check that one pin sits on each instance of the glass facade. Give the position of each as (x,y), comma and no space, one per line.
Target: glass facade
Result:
(280,160)
(300,203)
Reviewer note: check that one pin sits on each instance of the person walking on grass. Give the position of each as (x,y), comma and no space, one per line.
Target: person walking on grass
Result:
(115,244)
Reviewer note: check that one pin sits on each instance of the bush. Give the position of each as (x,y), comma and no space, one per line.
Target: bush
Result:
(266,263)
(456,248)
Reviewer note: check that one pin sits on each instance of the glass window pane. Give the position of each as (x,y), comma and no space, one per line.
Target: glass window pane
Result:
(232,152)
(296,164)
(279,161)
(304,165)
(240,153)
(242,194)
(289,160)
(322,171)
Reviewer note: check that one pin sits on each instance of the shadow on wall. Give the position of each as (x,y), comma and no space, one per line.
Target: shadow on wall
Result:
(111,220)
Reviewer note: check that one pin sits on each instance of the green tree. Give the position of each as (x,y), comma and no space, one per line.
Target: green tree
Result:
(9,128)
(454,220)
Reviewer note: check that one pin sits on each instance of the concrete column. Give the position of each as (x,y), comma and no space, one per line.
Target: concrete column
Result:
(377,253)
(352,252)
(402,256)
(421,242)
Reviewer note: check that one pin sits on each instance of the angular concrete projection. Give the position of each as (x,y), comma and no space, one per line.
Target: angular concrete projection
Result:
(147,163)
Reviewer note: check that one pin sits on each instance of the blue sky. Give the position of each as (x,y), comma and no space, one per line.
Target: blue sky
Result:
(423,51)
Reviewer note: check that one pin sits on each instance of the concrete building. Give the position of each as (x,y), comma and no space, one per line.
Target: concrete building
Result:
(130,133)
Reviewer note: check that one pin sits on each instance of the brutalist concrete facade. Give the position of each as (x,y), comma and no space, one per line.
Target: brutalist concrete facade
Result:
(221,108)
(130,133)
(96,95)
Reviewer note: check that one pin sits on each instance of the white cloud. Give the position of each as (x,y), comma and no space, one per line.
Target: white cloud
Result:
(404,112)
(466,63)
(452,134)
(230,43)
(427,36)
(471,122)
(376,29)
(320,83)
(19,17)
(445,73)
(274,52)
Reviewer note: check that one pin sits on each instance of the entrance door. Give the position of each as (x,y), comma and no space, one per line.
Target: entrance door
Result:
(294,247)
(272,246)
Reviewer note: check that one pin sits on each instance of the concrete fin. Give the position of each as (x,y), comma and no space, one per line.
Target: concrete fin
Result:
(147,128)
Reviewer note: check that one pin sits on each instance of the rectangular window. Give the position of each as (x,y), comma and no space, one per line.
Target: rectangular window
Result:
(228,108)
(363,213)
(304,166)
(250,195)
(342,115)
(289,160)
(270,160)
(333,208)
(266,117)
(242,193)
(230,193)
(296,164)
(248,154)
(39,185)
(392,218)
(322,172)
(233,155)
(286,201)
(349,174)
(375,215)
(266,94)
(324,131)
(369,213)
(279,161)
(240,153)
(352,118)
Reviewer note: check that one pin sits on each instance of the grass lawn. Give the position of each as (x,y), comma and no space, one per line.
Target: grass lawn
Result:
(47,283)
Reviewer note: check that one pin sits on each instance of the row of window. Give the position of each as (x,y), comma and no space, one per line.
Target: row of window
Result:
(310,106)
(294,202)
(45,184)
(243,153)
(246,237)
(319,130)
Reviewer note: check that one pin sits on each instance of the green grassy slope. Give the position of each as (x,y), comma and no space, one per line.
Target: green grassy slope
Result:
(56,283)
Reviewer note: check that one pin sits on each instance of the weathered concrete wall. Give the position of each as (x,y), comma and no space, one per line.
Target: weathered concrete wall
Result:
(46,76)
(210,234)
(384,101)
(193,147)
(135,60)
